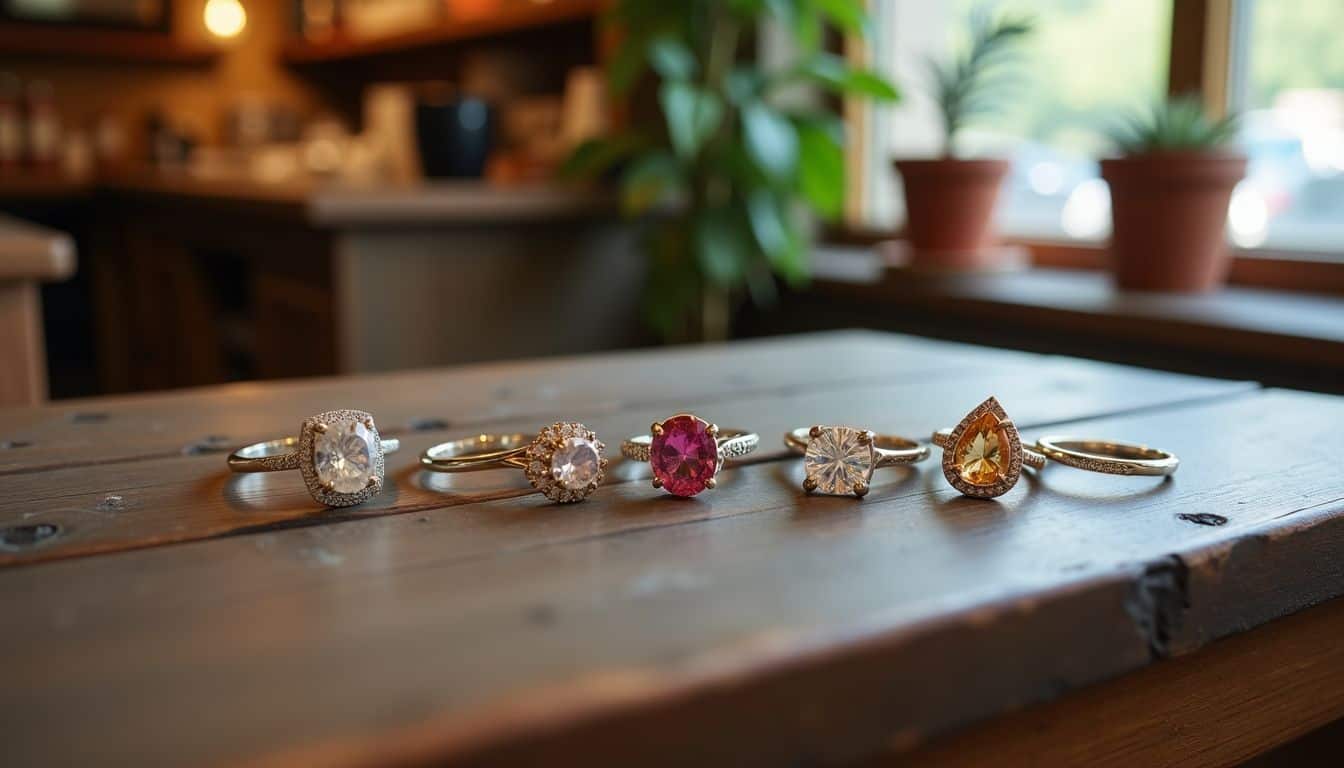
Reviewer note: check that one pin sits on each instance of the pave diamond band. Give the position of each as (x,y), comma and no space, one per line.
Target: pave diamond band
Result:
(339,453)
(1109,457)
(841,460)
(564,460)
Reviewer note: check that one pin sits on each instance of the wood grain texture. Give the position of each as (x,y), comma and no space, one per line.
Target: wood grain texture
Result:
(1213,709)
(747,626)
(133,481)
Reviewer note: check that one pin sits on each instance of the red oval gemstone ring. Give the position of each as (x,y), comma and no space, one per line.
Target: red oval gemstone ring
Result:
(686,452)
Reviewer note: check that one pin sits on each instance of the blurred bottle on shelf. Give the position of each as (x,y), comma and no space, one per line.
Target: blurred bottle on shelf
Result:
(44,126)
(11,122)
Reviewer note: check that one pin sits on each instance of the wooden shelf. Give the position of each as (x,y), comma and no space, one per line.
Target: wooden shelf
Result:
(132,46)
(512,16)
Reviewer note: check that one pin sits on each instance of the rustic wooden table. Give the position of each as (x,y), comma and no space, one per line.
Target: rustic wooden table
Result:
(158,610)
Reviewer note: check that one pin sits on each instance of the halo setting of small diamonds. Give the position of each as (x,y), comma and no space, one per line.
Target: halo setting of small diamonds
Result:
(341,457)
(983,455)
(565,462)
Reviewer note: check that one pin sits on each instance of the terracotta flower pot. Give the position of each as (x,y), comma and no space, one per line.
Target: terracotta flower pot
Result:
(949,207)
(1169,219)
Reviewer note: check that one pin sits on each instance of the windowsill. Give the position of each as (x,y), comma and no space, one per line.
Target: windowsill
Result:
(1275,336)
(1279,270)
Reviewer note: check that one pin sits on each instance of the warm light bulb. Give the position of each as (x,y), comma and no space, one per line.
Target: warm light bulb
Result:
(225,18)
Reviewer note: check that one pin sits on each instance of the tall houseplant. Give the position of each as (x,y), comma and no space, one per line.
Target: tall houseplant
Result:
(1170,190)
(950,201)
(734,164)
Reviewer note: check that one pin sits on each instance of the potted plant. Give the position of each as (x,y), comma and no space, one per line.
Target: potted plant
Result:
(950,201)
(731,167)
(1170,189)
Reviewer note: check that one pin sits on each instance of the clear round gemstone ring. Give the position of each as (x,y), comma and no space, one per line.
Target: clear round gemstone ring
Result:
(983,456)
(564,461)
(840,460)
(686,452)
(339,454)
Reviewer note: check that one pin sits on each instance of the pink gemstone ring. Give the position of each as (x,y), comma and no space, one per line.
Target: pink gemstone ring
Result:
(686,452)
(840,460)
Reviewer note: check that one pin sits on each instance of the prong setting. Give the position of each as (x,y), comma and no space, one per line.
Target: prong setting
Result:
(330,431)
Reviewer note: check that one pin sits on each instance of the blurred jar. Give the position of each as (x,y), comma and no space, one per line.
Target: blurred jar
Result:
(44,126)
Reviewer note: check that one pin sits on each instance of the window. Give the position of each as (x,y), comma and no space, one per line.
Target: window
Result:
(1287,80)
(1090,63)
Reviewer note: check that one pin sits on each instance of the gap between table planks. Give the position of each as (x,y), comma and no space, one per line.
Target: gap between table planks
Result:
(165,498)
(660,630)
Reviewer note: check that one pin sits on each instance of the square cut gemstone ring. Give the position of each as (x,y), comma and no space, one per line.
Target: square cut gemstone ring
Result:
(840,461)
(564,461)
(686,452)
(339,453)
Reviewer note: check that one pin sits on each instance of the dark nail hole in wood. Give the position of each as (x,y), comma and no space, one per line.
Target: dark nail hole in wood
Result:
(87,417)
(207,444)
(18,537)
(7,444)
(541,615)
(1202,518)
(427,424)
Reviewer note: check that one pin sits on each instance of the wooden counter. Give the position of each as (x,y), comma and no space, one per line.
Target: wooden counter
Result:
(159,610)
(207,280)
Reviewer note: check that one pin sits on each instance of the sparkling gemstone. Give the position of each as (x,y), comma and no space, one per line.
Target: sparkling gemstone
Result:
(576,463)
(837,459)
(685,456)
(344,454)
(982,451)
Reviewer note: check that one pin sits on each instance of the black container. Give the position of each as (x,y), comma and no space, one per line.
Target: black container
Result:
(455,136)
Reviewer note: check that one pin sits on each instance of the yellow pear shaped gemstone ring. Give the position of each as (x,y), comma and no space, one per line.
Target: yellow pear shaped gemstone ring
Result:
(983,455)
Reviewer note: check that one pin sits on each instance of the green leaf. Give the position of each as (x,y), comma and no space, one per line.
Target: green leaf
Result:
(772,142)
(720,247)
(742,84)
(626,66)
(672,59)
(774,233)
(821,175)
(652,179)
(832,71)
(848,15)
(766,222)
(594,156)
(692,114)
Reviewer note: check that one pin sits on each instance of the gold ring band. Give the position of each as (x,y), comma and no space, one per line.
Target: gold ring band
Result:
(1108,456)
(564,461)
(841,460)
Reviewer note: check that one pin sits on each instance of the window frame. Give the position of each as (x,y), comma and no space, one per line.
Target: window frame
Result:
(1199,62)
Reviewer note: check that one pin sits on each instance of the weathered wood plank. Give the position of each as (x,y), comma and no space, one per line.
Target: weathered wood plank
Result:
(179,497)
(1214,709)
(750,627)
(115,429)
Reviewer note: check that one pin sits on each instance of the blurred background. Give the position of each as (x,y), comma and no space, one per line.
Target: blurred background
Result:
(196,192)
